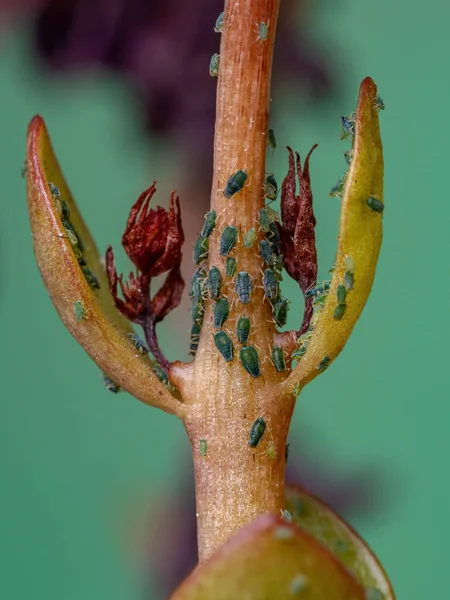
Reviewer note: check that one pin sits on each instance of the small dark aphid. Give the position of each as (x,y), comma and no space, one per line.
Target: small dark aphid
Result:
(65,211)
(214,282)
(91,279)
(324,363)
(201,249)
(339,311)
(198,313)
(243,329)
(209,224)
(271,140)
(224,345)
(228,240)
(250,238)
(264,220)
(275,238)
(278,359)
(198,285)
(160,373)
(110,385)
(195,338)
(300,352)
(256,432)
(244,286)
(265,249)
(221,312)
(139,344)
(250,361)
(379,102)
(235,183)
(214,65)
(286,452)
(319,289)
(375,204)
(280,310)
(230,266)
(24,169)
(338,189)
(79,311)
(348,155)
(349,280)
(348,126)
(79,256)
(341,294)
(219,23)
(54,190)
(271,187)
(270,283)
(203,447)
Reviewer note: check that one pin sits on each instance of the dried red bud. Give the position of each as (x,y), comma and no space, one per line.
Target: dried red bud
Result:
(153,237)
(133,306)
(169,296)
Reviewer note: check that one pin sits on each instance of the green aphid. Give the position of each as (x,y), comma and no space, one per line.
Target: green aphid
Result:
(54,190)
(160,373)
(139,344)
(214,282)
(271,139)
(280,310)
(373,594)
(338,189)
(375,204)
(264,220)
(235,183)
(91,279)
(272,214)
(263,31)
(230,266)
(341,294)
(278,359)
(195,338)
(70,232)
(298,584)
(349,280)
(243,329)
(300,352)
(224,345)
(256,432)
(244,286)
(221,312)
(214,65)
(348,156)
(110,385)
(270,284)
(198,312)
(209,224)
(250,238)
(79,255)
(198,285)
(203,447)
(274,238)
(79,311)
(219,24)
(65,211)
(270,187)
(265,249)
(201,249)
(379,102)
(271,451)
(339,311)
(228,240)
(324,363)
(250,361)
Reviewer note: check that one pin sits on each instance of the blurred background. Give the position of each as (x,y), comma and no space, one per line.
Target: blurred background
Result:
(97,497)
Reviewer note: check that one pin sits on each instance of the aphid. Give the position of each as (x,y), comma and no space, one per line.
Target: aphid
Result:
(349,280)
(278,359)
(286,453)
(70,232)
(160,373)
(375,204)
(224,345)
(339,311)
(214,65)
(338,189)
(324,363)
(280,309)
(201,249)
(379,104)
(65,211)
(219,23)
(243,329)
(110,385)
(349,263)
(250,238)
(221,312)
(348,155)
(195,338)
(79,311)
(139,344)
(373,594)
(24,169)
(54,190)
(265,249)
(91,279)
(341,294)
(256,432)
(230,266)
(209,224)
(79,256)
(298,584)
(286,516)
(271,139)
(250,361)
(270,187)
(319,289)
(270,283)
(198,313)
(244,286)
(300,352)
(214,282)
(296,389)
(271,450)
(198,285)
(273,215)
(348,126)
(228,240)
(235,183)
(263,31)
(203,447)
(278,265)
(264,221)
(275,238)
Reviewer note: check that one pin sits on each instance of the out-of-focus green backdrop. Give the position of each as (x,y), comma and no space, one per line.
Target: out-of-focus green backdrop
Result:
(79,465)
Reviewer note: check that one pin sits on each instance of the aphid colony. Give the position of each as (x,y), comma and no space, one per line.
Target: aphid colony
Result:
(74,239)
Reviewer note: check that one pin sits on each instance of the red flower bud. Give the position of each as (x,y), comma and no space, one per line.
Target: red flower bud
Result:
(134,305)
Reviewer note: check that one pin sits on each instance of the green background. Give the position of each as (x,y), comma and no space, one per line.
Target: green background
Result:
(79,465)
